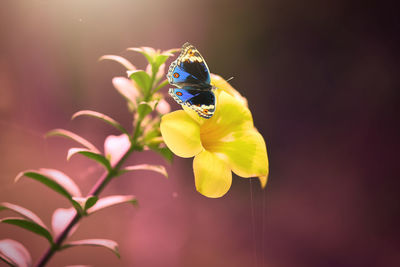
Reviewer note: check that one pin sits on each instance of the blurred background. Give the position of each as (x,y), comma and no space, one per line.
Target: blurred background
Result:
(321,78)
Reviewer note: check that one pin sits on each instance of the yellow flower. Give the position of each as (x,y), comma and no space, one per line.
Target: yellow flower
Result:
(226,142)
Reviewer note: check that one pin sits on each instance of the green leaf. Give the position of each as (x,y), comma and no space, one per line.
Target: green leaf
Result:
(171,52)
(153,55)
(109,201)
(27,214)
(86,202)
(74,137)
(141,78)
(102,117)
(90,202)
(30,226)
(124,62)
(14,253)
(105,243)
(144,109)
(148,52)
(158,61)
(55,180)
(154,133)
(91,155)
(165,152)
(146,167)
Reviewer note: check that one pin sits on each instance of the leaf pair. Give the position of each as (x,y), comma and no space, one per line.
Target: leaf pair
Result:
(16,254)
(29,221)
(57,181)
(155,57)
(89,149)
(145,80)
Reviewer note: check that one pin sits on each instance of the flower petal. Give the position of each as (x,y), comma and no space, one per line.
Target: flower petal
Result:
(193,114)
(263,180)
(230,116)
(222,84)
(181,134)
(246,153)
(212,175)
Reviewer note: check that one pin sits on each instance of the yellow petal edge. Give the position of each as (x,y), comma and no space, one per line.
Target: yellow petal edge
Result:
(213,177)
(181,134)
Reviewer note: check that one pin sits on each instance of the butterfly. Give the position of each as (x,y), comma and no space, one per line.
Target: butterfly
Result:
(189,72)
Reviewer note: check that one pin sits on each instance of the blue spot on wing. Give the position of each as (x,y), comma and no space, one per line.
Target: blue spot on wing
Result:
(182,95)
(203,102)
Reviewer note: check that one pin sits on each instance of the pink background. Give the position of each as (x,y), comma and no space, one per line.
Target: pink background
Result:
(321,81)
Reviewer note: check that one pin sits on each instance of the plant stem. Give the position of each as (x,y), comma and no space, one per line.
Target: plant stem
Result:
(95,191)
(160,85)
(52,249)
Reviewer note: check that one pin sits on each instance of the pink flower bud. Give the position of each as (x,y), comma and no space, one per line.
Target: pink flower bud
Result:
(115,147)
(163,107)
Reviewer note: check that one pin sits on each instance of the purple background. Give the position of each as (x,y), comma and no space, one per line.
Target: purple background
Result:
(321,78)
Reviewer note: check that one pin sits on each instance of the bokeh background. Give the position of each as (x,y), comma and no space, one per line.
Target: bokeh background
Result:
(321,78)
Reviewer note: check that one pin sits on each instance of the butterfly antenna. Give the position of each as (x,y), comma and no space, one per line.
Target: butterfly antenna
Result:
(229,79)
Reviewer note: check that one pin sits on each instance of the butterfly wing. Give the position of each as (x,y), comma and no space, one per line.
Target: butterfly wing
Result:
(182,95)
(189,72)
(203,102)
(189,69)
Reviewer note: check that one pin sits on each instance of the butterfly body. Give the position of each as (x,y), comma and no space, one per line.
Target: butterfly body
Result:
(189,72)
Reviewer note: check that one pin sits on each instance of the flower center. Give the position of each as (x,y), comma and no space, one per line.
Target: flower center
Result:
(212,137)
